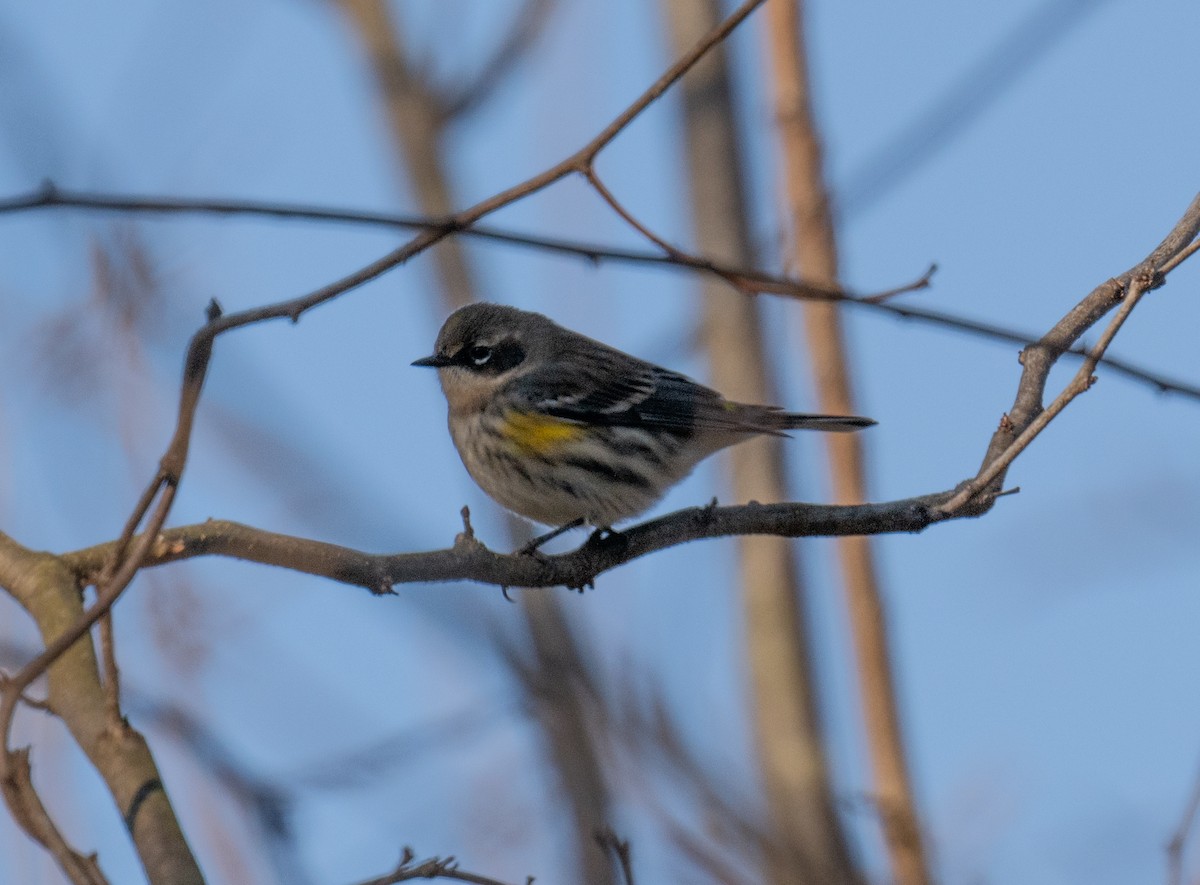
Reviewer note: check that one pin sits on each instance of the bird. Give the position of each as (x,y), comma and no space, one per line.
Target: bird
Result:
(567,431)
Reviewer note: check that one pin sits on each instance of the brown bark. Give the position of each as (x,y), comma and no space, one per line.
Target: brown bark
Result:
(814,251)
(809,843)
(49,591)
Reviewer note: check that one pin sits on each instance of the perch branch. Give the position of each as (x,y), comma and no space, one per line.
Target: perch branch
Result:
(469,560)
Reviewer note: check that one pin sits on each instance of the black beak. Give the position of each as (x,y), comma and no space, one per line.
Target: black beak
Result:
(434,361)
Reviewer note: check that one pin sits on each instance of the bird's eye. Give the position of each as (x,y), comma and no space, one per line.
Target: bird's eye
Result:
(479,355)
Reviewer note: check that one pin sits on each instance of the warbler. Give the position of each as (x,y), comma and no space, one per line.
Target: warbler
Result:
(565,430)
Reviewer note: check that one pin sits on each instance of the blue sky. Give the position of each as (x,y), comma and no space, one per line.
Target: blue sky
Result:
(1045,653)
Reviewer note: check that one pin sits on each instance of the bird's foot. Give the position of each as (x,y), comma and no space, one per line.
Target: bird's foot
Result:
(605,535)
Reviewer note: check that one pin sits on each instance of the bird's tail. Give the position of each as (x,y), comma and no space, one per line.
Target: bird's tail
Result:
(778,421)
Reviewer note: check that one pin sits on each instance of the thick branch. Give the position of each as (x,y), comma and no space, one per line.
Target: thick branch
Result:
(470,560)
(50,592)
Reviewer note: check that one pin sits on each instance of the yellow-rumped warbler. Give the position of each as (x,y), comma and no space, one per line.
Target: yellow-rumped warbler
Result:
(564,430)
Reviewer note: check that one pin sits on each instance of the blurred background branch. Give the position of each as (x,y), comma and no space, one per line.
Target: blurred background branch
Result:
(813,247)
(552,677)
(807,843)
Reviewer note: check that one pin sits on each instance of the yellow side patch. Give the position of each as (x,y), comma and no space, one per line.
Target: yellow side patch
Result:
(539,434)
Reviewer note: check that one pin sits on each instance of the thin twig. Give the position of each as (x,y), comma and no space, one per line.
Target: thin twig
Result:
(1027,417)
(112,677)
(609,841)
(31,814)
(923,283)
(1180,258)
(1081,383)
(627,216)
(33,703)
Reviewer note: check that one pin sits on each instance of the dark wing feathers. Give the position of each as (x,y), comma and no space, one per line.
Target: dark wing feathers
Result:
(636,394)
(654,399)
(614,389)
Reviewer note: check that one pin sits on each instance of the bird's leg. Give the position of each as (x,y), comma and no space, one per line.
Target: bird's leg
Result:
(537,542)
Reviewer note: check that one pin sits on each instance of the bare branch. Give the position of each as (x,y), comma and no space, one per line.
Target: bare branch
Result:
(1081,383)
(50,196)
(1027,418)
(924,282)
(628,217)
(51,594)
(469,560)
(26,807)
(609,841)
(433,868)
(1179,259)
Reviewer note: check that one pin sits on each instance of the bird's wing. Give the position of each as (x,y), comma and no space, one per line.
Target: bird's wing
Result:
(632,393)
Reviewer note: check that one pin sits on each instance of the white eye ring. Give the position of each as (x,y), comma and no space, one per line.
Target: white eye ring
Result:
(480,355)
